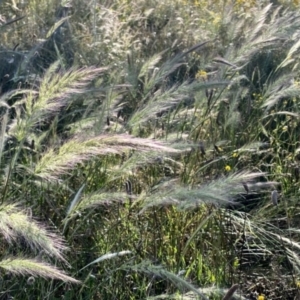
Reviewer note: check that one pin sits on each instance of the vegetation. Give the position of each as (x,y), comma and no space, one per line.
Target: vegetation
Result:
(149,149)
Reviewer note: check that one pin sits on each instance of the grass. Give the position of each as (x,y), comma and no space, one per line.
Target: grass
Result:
(141,143)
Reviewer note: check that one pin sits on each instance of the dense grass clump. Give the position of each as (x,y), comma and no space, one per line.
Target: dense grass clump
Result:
(149,149)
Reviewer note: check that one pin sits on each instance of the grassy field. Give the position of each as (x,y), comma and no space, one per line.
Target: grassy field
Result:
(149,149)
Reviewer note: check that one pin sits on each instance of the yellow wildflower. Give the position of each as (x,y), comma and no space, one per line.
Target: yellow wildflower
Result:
(235,154)
(261,297)
(201,75)
(227,168)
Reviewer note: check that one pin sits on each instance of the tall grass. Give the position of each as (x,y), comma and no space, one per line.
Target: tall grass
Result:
(151,162)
